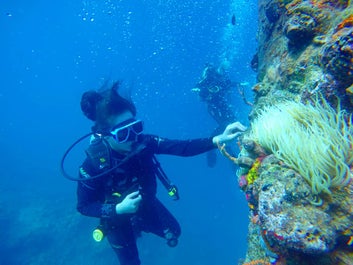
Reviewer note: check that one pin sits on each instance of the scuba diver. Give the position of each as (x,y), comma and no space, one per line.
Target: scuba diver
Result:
(117,181)
(215,89)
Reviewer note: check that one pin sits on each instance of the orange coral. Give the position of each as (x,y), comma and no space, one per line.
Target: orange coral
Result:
(348,22)
(257,87)
(257,262)
(329,3)
(321,3)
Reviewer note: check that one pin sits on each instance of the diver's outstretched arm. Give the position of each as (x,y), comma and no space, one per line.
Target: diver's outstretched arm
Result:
(231,132)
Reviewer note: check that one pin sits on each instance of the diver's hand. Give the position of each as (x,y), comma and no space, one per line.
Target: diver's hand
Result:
(130,204)
(232,131)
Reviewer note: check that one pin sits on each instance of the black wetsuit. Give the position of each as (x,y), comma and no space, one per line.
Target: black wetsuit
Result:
(98,197)
(215,89)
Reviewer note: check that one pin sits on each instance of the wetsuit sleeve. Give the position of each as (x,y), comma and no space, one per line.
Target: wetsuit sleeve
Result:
(90,196)
(182,147)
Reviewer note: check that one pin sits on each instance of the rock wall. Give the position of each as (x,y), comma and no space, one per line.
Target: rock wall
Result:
(305,47)
(305,54)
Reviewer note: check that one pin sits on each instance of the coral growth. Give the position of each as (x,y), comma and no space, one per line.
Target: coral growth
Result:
(337,55)
(304,46)
(300,29)
(296,163)
(305,20)
(257,262)
(273,11)
(284,223)
(346,23)
(284,209)
(253,172)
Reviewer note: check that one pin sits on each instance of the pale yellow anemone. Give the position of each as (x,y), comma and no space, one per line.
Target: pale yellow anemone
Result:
(316,141)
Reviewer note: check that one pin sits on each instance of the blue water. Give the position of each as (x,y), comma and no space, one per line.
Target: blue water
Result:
(53,51)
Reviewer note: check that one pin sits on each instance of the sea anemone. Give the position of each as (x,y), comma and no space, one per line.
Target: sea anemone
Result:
(315,140)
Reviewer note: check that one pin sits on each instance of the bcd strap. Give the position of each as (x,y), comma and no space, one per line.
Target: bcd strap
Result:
(100,156)
(162,176)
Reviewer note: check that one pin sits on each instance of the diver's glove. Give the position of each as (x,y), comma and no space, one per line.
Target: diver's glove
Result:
(232,131)
(130,204)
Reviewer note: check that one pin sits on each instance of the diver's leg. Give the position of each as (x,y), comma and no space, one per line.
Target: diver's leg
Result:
(123,242)
(158,220)
(211,157)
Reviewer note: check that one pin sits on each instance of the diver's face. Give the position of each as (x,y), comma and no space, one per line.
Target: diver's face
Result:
(126,146)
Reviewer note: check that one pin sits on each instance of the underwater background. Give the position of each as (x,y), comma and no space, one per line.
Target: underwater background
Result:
(52,52)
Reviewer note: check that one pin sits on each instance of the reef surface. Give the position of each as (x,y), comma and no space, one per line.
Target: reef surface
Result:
(305,55)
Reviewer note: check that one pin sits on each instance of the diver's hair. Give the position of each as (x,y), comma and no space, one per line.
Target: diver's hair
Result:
(89,102)
(100,106)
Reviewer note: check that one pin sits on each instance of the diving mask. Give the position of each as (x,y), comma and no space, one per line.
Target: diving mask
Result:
(127,130)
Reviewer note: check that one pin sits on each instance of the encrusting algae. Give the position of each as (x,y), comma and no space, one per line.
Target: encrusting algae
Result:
(257,262)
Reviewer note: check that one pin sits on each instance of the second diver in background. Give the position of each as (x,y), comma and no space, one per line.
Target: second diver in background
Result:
(215,89)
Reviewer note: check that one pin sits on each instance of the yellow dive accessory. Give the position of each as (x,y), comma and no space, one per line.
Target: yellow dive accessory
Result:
(98,234)
(172,191)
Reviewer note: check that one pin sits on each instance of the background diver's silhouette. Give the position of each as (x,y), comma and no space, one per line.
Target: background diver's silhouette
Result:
(215,88)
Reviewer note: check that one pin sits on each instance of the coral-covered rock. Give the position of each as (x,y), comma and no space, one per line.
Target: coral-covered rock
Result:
(245,161)
(305,51)
(273,11)
(337,56)
(300,29)
(254,150)
(289,221)
(305,20)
